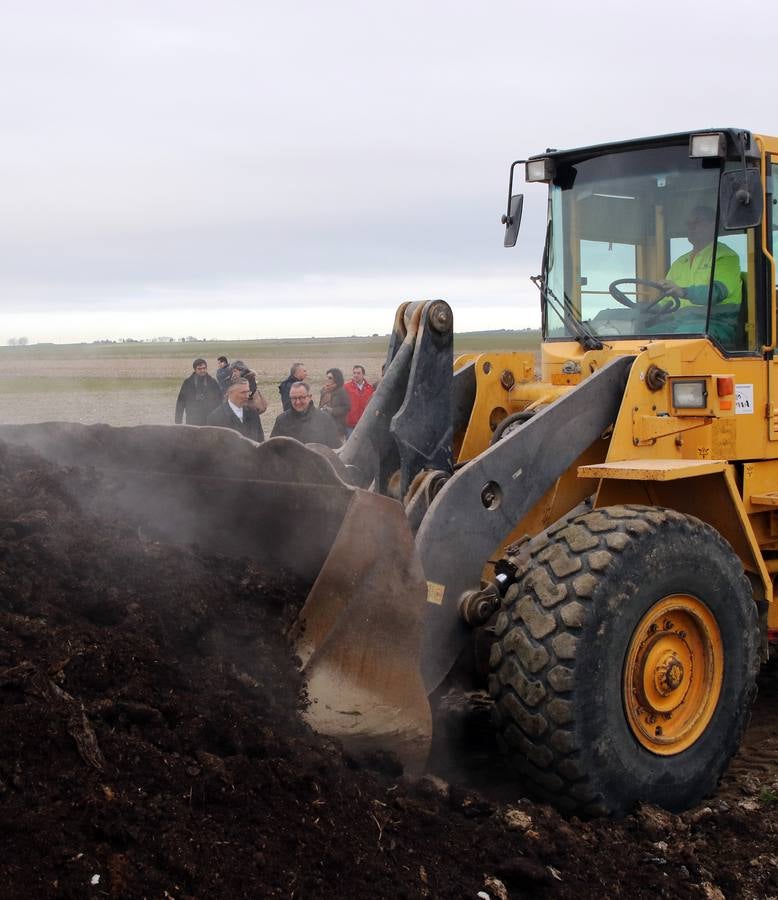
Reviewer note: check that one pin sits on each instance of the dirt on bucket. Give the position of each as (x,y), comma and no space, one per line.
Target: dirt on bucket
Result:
(151,745)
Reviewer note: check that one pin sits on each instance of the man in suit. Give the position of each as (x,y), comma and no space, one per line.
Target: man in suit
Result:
(238,412)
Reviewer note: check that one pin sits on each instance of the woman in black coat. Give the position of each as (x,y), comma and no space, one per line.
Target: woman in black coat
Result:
(335,400)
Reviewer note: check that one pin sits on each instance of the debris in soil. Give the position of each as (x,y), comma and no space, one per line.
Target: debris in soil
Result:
(151,746)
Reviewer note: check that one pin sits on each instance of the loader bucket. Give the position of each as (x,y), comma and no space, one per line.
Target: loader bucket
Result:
(283,504)
(359,635)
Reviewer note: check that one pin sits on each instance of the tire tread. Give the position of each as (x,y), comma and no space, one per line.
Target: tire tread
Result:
(534,677)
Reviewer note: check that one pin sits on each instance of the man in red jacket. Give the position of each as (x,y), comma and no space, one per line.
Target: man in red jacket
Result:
(359,392)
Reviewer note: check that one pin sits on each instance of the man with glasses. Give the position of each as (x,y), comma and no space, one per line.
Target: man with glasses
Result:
(304,422)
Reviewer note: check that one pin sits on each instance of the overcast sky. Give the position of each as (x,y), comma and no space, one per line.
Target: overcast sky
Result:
(255,169)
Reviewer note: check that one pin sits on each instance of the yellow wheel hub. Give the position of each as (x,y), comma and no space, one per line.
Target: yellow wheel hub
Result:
(673,674)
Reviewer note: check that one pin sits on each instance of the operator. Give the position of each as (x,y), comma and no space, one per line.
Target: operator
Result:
(689,277)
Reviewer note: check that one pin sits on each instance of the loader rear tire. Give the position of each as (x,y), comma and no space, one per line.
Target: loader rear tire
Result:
(625,661)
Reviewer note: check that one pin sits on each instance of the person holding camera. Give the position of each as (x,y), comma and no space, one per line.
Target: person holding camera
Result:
(199,395)
(256,400)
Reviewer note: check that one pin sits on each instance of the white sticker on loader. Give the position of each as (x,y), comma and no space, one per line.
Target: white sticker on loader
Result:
(744,399)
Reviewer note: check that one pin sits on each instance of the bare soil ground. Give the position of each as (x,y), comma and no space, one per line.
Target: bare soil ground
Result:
(151,746)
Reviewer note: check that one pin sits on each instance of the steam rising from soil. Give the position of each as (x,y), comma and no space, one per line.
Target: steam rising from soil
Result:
(151,745)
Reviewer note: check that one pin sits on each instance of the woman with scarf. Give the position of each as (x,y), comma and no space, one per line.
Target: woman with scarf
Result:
(335,400)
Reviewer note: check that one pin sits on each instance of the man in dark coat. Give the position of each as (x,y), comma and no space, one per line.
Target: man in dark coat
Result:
(237,413)
(304,422)
(199,395)
(223,373)
(297,373)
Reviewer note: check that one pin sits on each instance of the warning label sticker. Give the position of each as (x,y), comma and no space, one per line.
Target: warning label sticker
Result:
(744,399)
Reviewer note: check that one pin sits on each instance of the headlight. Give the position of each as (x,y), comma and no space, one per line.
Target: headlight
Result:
(539,169)
(713,144)
(690,394)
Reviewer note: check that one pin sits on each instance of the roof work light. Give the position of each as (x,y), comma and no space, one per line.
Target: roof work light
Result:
(539,169)
(712,144)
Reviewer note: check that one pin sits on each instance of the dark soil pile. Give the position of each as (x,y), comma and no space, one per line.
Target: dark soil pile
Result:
(151,746)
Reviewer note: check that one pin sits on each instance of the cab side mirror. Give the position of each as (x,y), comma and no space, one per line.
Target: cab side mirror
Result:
(741,199)
(512,220)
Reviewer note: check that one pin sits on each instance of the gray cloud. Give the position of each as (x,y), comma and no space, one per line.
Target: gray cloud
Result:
(165,152)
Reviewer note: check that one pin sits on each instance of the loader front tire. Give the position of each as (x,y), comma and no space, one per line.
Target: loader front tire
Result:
(625,661)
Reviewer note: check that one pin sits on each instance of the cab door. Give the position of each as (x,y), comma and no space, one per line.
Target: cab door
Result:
(771,247)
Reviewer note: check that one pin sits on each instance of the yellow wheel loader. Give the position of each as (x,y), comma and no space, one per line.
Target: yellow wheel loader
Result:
(596,540)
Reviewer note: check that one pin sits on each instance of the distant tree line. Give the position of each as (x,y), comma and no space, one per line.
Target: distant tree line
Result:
(18,342)
(154,340)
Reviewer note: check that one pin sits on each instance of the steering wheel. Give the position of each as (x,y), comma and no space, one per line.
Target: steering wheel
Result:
(619,295)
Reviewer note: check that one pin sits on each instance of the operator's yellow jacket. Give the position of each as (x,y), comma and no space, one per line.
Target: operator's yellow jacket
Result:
(692,272)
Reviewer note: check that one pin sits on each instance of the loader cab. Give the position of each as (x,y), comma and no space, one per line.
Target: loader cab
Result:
(626,219)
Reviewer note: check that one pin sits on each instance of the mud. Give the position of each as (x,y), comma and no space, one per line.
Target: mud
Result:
(151,746)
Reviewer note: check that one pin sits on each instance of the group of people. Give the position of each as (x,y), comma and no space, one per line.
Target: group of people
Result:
(233,400)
